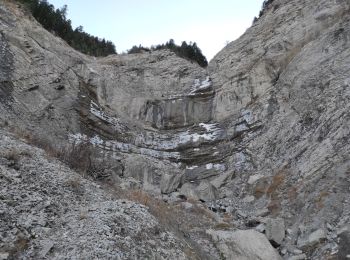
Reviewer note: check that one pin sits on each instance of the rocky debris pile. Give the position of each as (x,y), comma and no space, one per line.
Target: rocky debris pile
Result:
(49,211)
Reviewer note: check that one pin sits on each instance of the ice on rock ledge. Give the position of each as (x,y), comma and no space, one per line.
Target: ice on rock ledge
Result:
(217,166)
(209,127)
(116,146)
(186,137)
(200,85)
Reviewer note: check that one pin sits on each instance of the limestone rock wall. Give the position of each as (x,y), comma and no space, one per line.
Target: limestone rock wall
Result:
(262,133)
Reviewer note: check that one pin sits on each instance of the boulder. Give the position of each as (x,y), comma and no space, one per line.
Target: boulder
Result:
(207,191)
(170,183)
(312,240)
(222,179)
(188,190)
(275,230)
(243,245)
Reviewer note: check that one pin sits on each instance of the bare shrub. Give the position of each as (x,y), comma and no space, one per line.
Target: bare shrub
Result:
(12,155)
(82,156)
(223,226)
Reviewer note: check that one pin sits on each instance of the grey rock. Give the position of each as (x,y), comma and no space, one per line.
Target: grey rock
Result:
(284,251)
(241,213)
(243,244)
(222,179)
(230,209)
(248,199)
(275,230)
(312,240)
(46,247)
(260,228)
(298,257)
(4,256)
(206,191)
(297,251)
(262,212)
(344,242)
(187,205)
(252,179)
(170,183)
(189,191)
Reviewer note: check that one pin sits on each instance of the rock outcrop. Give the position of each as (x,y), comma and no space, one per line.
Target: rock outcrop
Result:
(262,134)
(244,245)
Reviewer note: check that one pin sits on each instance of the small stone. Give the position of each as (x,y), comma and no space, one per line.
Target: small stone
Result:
(275,230)
(313,239)
(262,212)
(241,214)
(260,228)
(249,199)
(297,251)
(329,227)
(289,231)
(297,257)
(284,251)
(4,256)
(186,205)
(46,247)
(229,209)
(252,179)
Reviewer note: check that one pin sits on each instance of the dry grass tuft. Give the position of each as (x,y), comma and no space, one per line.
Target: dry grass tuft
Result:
(222,226)
(320,199)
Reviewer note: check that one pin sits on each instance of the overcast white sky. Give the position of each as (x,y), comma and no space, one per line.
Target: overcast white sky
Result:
(209,23)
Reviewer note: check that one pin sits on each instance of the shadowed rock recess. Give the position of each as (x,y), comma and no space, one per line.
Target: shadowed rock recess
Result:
(247,159)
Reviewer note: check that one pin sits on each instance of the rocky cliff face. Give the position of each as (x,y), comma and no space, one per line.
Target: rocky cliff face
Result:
(261,137)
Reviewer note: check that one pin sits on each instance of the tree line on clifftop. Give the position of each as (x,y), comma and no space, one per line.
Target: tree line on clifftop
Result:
(188,51)
(55,21)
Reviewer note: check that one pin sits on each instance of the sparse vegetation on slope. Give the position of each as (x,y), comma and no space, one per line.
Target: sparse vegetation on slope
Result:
(55,20)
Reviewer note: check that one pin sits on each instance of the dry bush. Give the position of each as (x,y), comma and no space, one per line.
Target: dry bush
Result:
(141,197)
(261,188)
(83,214)
(74,183)
(81,157)
(173,218)
(20,245)
(320,199)
(12,155)
(223,226)
(274,207)
(292,194)
(277,182)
